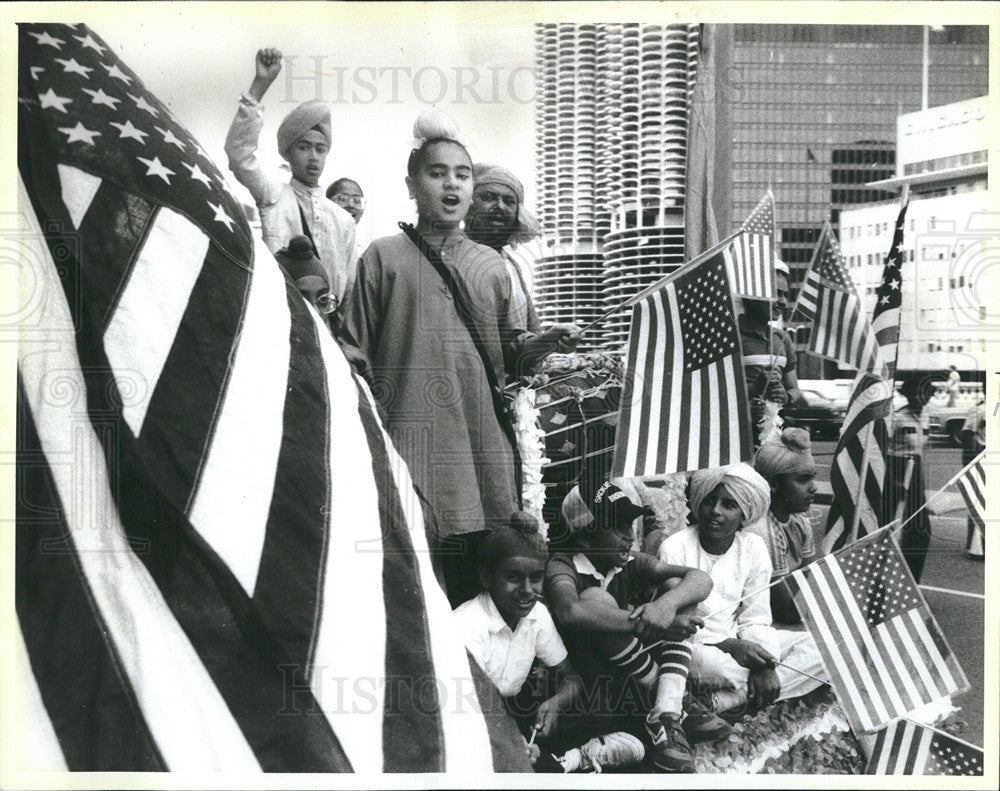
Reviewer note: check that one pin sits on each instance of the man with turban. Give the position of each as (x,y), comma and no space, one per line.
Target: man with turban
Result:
(299,207)
(787,464)
(499,219)
(769,357)
(737,657)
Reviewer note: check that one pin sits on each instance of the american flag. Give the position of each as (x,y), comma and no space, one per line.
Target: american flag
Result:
(905,747)
(889,298)
(211,574)
(884,651)
(857,474)
(684,402)
(828,299)
(972,483)
(751,256)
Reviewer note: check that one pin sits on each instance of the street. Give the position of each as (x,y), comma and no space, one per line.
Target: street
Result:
(948,577)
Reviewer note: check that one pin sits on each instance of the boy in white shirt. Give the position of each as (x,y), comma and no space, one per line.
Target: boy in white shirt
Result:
(737,655)
(505,628)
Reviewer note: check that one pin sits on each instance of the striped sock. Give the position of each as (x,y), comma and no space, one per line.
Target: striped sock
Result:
(673,660)
(640,666)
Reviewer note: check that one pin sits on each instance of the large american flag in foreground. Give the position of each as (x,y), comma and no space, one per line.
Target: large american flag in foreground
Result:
(221,560)
(889,298)
(909,748)
(972,483)
(857,474)
(750,257)
(884,651)
(684,402)
(828,299)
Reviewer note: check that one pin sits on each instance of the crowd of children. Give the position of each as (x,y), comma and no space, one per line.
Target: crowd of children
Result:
(604,654)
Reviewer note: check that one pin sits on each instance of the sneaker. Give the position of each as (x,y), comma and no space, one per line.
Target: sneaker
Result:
(612,749)
(671,751)
(702,725)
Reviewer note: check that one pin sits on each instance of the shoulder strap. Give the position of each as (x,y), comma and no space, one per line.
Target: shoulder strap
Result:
(305,227)
(465,314)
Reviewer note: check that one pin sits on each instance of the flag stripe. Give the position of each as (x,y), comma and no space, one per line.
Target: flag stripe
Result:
(829,644)
(112,231)
(912,685)
(287,585)
(652,418)
(183,412)
(414,747)
(867,670)
(68,682)
(632,392)
(141,331)
(238,474)
(472,744)
(674,380)
(709,405)
(182,707)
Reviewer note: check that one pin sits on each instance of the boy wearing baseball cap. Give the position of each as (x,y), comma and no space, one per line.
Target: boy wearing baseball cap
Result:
(621,616)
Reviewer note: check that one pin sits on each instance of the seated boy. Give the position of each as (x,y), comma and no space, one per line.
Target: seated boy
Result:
(298,207)
(505,628)
(610,609)
(787,465)
(738,657)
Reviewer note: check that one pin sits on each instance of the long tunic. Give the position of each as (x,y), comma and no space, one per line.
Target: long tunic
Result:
(428,378)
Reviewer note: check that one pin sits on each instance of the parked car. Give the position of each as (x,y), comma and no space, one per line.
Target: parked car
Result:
(945,419)
(827,401)
(824,412)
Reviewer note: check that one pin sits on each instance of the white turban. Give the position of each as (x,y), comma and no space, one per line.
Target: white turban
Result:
(313,114)
(744,484)
(434,125)
(791,452)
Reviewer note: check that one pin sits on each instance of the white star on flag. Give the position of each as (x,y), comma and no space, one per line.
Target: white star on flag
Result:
(169,137)
(198,174)
(127,130)
(51,99)
(100,97)
(221,216)
(88,41)
(79,133)
(46,39)
(72,66)
(35,71)
(156,168)
(118,74)
(142,104)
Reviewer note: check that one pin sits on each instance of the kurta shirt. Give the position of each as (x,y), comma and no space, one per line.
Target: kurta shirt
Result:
(404,331)
(504,655)
(743,569)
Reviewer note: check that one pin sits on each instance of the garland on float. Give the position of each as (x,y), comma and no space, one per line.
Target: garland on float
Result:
(531,444)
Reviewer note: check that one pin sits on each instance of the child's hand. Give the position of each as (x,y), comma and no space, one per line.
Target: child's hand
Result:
(748,654)
(545,719)
(654,619)
(268,64)
(533,751)
(684,626)
(763,687)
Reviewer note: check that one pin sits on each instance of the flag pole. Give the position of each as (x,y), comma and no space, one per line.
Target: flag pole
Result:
(683,270)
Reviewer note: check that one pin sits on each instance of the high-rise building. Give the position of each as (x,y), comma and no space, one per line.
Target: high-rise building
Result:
(611,127)
(813,112)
